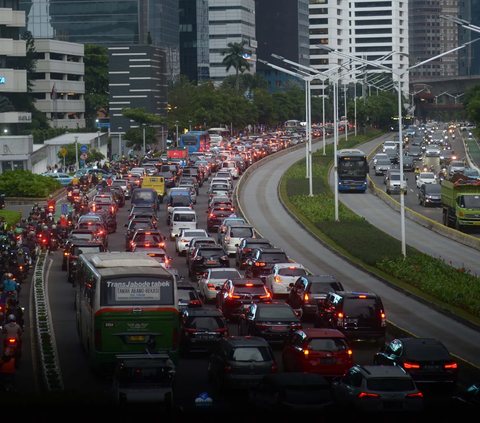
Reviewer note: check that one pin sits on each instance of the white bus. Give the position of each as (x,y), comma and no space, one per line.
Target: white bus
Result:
(216,135)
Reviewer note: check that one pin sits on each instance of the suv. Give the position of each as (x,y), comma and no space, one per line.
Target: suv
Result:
(187,296)
(359,315)
(200,329)
(314,290)
(215,217)
(262,262)
(245,248)
(205,257)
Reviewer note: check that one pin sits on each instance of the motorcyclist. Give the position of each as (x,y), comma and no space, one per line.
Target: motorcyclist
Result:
(51,202)
(36,209)
(31,245)
(10,285)
(7,367)
(294,299)
(63,221)
(46,235)
(75,180)
(3,226)
(12,330)
(17,311)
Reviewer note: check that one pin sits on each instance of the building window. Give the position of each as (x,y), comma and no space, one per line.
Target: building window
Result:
(278,84)
(319,31)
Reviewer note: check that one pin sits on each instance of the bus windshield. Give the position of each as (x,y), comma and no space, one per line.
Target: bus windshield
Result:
(190,139)
(137,290)
(354,167)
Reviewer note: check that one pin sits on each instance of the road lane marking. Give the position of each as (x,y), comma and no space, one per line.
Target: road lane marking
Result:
(33,337)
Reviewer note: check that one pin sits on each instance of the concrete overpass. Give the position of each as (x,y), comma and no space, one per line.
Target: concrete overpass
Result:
(454,85)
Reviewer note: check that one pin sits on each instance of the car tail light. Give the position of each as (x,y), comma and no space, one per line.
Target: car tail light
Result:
(273,367)
(230,295)
(261,326)
(247,250)
(211,214)
(224,331)
(211,286)
(195,302)
(416,395)
(228,367)
(258,264)
(12,340)
(367,395)
(267,295)
(411,366)
(350,352)
(451,366)
(340,319)
(384,320)
(278,279)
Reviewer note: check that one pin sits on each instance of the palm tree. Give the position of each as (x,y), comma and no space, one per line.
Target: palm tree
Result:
(6,105)
(234,59)
(291,85)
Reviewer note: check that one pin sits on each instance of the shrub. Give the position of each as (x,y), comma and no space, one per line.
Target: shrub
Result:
(320,208)
(23,183)
(11,217)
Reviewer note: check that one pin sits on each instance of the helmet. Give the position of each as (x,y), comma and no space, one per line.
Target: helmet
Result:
(11,318)
(20,252)
(62,216)
(50,196)
(18,225)
(50,215)
(24,220)
(54,227)
(12,243)
(45,227)
(9,275)
(36,204)
(9,233)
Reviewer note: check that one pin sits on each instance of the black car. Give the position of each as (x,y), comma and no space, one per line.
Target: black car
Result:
(314,290)
(206,257)
(133,225)
(262,262)
(75,248)
(246,248)
(427,361)
(275,322)
(430,195)
(237,294)
(147,238)
(408,163)
(358,315)
(200,329)
(415,151)
(169,179)
(446,156)
(215,217)
(187,296)
(75,235)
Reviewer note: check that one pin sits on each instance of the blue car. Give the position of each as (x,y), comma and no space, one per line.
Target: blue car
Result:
(64,179)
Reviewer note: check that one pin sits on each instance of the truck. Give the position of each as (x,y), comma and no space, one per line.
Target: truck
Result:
(177,154)
(461,202)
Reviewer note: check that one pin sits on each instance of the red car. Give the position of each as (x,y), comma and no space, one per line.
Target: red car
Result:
(322,351)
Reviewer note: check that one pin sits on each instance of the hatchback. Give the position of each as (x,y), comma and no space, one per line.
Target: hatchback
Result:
(240,362)
(322,351)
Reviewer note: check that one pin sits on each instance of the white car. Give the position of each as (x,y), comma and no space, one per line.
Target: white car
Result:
(432,151)
(283,274)
(215,277)
(182,241)
(191,188)
(380,156)
(426,178)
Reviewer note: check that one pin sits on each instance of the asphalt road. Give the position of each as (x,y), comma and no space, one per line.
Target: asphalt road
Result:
(264,210)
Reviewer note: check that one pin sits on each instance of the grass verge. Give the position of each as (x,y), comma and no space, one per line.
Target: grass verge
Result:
(11,217)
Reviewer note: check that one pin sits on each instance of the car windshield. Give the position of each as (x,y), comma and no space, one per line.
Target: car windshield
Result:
(225,274)
(362,307)
(427,175)
(143,196)
(292,271)
(470,201)
(274,257)
(283,312)
(205,323)
(252,290)
(184,217)
(180,200)
(390,385)
(144,238)
(82,236)
(242,232)
(139,225)
(119,183)
(457,164)
(433,189)
(144,376)
(258,354)
(471,172)
(211,252)
(327,344)
(396,177)
(186,294)
(191,234)
(383,162)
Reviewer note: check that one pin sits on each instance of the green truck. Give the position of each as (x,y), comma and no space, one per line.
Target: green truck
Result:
(461,203)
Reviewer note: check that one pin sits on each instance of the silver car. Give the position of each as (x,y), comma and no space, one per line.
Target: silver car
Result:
(378,388)
(456,167)
(382,166)
(186,235)
(432,151)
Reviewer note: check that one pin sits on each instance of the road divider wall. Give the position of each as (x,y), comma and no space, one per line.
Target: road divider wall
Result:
(50,366)
(433,225)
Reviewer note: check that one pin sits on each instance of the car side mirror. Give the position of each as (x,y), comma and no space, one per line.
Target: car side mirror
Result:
(291,285)
(236,245)
(217,288)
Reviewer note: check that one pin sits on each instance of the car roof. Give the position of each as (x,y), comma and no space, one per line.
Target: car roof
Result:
(322,332)
(243,281)
(257,240)
(355,294)
(289,265)
(245,341)
(270,250)
(320,278)
(384,371)
(84,243)
(203,312)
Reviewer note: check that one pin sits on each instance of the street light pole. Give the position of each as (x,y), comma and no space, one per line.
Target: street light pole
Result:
(335,143)
(119,143)
(98,140)
(345,100)
(176,139)
(76,153)
(144,147)
(189,125)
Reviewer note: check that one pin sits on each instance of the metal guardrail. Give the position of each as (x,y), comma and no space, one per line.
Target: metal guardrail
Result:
(52,376)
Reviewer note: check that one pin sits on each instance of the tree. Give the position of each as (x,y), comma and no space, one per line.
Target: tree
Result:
(292,85)
(234,59)
(134,136)
(96,82)
(70,158)
(6,105)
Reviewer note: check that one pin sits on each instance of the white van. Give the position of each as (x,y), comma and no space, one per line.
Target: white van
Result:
(234,235)
(232,168)
(182,219)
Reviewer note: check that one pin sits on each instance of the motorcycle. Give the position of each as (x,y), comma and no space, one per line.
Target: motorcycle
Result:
(53,244)
(50,209)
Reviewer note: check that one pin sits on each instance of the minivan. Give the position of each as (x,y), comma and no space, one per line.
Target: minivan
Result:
(183,219)
(234,235)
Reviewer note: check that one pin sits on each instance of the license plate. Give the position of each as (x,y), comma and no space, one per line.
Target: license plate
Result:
(432,368)
(211,262)
(476,223)
(328,360)
(136,338)
(279,328)
(352,320)
(352,187)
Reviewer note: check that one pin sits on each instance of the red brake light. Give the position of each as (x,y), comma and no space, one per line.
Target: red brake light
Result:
(411,366)
(340,315)
(12,341)
(362,296)
(228,367)
(451,366)
(273,368)
(417,395)
(230,295)
(249,284)
(366,395)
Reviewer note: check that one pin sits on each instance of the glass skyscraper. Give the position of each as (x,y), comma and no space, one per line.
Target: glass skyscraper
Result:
(108,23)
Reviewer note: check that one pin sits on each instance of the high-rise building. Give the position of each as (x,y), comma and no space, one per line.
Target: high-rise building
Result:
(194,53)
(108,23)
(282,28)
(231,21)
(469,57)
(368,29)
(58,85)
(429,36)
(13,80)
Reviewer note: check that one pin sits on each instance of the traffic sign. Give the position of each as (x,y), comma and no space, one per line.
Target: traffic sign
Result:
(84,148)
(64,151)
(64,208)
(84,156)
(82,161)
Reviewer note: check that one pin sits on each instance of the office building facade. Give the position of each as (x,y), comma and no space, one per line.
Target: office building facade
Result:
(469,57)
(108,23)
(282,29)
(58,86)
(429,36)
(194,52)
(137,78)
(230,21)
(12,79)
(368,29)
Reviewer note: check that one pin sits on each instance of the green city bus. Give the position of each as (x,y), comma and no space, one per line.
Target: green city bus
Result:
(126,303)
